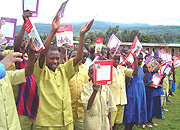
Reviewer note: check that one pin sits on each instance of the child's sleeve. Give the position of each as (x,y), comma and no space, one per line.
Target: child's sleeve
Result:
(16,77)
(128,72)
(38,70)
(70,69)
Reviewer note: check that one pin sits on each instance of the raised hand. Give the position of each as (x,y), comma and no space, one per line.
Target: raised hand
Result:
(55,23)
(86,27)
(96,87)
(111,53)
(11,58)
(26,15)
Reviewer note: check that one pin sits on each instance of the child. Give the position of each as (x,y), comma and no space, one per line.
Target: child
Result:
(55,111)
(98,104)
(76,84)
(135,109)
(8,112)
(26,93)
(153,95)
(118,86)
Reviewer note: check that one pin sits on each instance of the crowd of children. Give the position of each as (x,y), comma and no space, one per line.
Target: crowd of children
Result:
(55,89)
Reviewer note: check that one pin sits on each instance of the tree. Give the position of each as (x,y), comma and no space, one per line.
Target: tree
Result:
(133,34)
(145,38)
(125,34)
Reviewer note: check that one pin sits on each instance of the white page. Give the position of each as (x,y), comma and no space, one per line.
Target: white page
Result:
(155,80)
(8,29)
(103,73)
(30,5)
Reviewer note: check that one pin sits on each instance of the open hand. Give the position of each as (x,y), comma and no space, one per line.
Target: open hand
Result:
(86,27)
(96,87)
(55,23)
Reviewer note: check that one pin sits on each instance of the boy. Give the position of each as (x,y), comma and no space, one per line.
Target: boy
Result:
(8,113)
(55,111)
(98,104)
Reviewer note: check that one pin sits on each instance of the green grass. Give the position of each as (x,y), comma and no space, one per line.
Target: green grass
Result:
(172,117)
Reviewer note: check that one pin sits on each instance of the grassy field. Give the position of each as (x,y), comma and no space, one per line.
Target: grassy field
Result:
(172,117)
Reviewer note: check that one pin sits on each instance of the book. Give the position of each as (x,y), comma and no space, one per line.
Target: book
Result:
(169,57)
(122,61)
(32,33)
(130,59)
(64,35)
(156,80)
(99,43)
(151,63)
(114,42)
(2,38)
(8,28)
(62,9)
(136,46)
(103,72)
(32,6)
(162,54)
(176,61)
(165,68)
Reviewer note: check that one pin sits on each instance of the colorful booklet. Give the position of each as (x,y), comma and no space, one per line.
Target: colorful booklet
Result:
(176,61)
(130,59)
(156,80)
(61,9)
(64,35)
(151,63)
(103,72)
(32,33)
(136,46)
(162,54)
(165,68)
(2,38)
(32,6)
(99,43)
(169,58)
(8,28)
(114,42)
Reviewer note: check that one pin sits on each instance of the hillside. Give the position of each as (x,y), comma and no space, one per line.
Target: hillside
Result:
(103,26)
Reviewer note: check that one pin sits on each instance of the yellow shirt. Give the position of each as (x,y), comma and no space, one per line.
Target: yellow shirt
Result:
(97,117)
(54,94)
(76,84)
(8,111)
(118,84)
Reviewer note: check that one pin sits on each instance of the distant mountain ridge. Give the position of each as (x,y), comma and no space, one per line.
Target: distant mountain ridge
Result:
(43,28)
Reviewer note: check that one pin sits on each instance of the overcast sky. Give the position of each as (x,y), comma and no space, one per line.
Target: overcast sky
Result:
(153,12)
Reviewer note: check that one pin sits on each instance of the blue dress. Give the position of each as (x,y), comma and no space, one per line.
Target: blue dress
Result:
(135,109)
(153,95)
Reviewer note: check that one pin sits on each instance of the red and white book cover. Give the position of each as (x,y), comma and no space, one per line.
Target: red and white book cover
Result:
(130,59)
(99,43)
(122,61)
(169,58)
(136,46)
(64,35)
(103,70)
(156,80)
(32,33)
(176,61)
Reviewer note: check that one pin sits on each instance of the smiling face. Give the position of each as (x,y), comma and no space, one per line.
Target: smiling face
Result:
(53,59)
(116,60)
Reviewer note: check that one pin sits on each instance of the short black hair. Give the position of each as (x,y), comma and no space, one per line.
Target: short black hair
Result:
(53,48)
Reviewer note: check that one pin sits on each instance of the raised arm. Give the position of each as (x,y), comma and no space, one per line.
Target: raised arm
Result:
(96,88)
(135,71)
(83,30)
(55,25)
(19,38)
(31,59)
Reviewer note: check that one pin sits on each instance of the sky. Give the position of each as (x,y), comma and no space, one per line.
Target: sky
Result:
(152,12)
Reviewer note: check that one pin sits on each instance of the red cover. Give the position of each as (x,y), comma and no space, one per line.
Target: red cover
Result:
(156,84)
(99,69)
